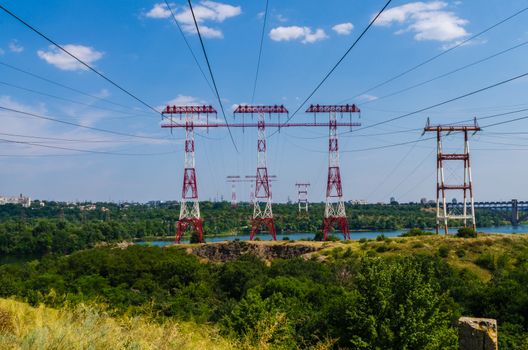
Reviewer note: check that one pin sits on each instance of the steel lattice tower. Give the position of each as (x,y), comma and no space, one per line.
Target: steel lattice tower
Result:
(335,206)
(302,196)
(189,207)
(262,210)
(443,215)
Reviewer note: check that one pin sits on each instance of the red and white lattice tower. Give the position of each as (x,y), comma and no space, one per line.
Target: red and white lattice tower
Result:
(189,207)
(335,206)
(233,179)
(262,211)
(302,196)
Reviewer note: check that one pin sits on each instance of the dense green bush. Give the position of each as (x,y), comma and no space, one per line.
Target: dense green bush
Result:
(416,232)
(466,232)
(360,302)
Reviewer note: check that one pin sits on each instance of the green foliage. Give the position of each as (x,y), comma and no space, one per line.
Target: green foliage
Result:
(415,232)
(443,251)
(460,253)
(466,232)
(195,238)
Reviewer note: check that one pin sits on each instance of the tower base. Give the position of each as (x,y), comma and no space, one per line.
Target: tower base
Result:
(257,224)
(195,224)
(341,222)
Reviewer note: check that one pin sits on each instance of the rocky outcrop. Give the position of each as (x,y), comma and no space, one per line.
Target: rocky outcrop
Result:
(227,251)
(477,333)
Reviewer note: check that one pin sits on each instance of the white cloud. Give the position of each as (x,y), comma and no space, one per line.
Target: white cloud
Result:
(64,61)
(184,100)
(428,20)
(206,11)
(15,47)
(367,98)
(305,34)
(1,52)
(159,11)
(343,28)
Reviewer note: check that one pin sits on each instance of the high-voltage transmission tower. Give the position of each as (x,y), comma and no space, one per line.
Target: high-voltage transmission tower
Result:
(443,214)
(302,196)
(189,207)
(335,207)
(262,210)
(234,179)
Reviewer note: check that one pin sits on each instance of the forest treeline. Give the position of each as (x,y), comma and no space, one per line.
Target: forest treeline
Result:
(355,299)
(64,228)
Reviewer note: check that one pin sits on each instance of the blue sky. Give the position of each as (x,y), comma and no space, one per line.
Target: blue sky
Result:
(136,44)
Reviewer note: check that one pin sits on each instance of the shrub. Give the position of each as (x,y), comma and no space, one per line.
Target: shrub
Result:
(443,251)
(381,237)
(415,232)
(460,253)
(486,261)
(418,245)
(466,232)
(382,248)
(195,238)
(285,238)
(362,240)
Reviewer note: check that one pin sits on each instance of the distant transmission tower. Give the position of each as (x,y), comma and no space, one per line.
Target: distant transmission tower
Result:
(262,211)
(335,206)
(302,196)
(443,212)
(190,207)
(233,179)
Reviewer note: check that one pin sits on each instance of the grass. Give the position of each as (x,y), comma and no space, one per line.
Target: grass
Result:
(86,327)
(478,255)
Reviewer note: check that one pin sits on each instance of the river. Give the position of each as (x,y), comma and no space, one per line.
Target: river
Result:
(355,235)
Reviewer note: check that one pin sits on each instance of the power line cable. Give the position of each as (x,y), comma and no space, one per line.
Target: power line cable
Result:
(446,74)
(444,102)
(337,64)
(212,76)
(50,81)
(78,59)
(81,150)
(189,47)
(260,51)
(65,99)
(77,125)
(463,42)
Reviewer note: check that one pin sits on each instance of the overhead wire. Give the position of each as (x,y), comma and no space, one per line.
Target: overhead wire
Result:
(446,74)
(60,47)
(34,115)
(337,64)
(260,51)
(461,43)
(67,99)
(81,150)
(56,83)
(212,76)
(189,47)
(474,92)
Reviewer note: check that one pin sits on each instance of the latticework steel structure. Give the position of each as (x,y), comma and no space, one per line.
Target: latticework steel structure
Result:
(335,207)
(443,212)
(190,206)
(302,196)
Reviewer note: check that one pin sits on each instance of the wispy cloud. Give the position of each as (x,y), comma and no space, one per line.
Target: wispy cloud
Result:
(15,47)
(343,28)
(206,11)
(428,20)
(63,61)
(304,34)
